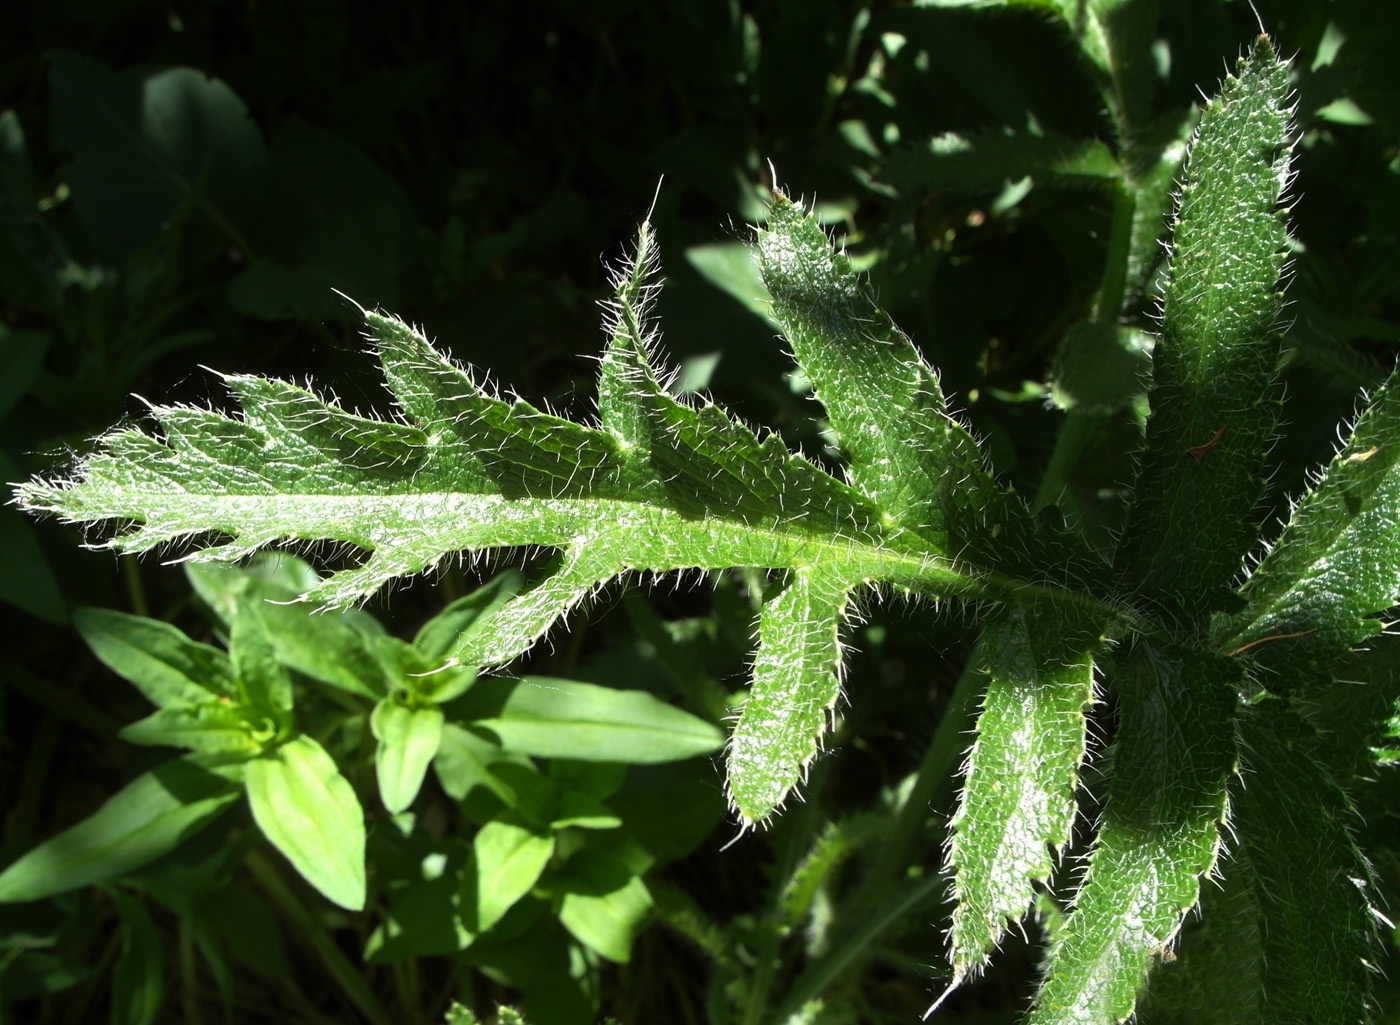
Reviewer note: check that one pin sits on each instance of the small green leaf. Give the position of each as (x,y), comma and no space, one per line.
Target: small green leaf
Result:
(730,267)
(305,807)
(1336,567)
(212,728)
(602,904)
(423,679)
(150,816)
(463,761)
(408,742)
(1100,367)
(164,664)
(324,645)
(262,679)
(438,635)
(509,861)
(139,974)
(555,718)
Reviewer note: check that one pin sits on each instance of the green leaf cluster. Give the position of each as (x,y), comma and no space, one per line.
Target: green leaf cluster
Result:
(235,711)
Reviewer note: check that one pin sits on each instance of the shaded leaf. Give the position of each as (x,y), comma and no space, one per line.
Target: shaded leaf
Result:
(149,817)
(1157,837)
(139,973)
(164,664)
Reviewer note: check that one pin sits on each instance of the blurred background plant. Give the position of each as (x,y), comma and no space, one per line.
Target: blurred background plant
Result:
(186,186)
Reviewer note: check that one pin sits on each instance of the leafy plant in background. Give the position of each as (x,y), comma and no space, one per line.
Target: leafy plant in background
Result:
(235,712)
(1212,680)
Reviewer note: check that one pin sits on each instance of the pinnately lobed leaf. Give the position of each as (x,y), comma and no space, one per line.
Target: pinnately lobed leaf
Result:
(660,485)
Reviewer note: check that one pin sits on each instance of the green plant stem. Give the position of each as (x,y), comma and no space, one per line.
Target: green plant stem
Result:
(1077,431)
(797,840)
(346,975)
(20,819)
(1080,427)
(935,775)
(924,891)
(135,590)
(189,976)
(1114,285)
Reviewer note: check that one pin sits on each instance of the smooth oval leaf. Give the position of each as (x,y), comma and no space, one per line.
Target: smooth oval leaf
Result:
(305,807)
(212,728)
(509,861)
(408,742)
(602,904)
(466,614)
(262,679)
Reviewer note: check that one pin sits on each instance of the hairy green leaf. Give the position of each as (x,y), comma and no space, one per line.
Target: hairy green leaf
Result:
(883,401)
(1288,934)
(795,689)
(474,472)
(1336,566)
(1018,799)
(1158,835)
(1214,406)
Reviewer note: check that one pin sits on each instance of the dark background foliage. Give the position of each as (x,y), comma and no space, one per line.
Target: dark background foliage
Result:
(473,168)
